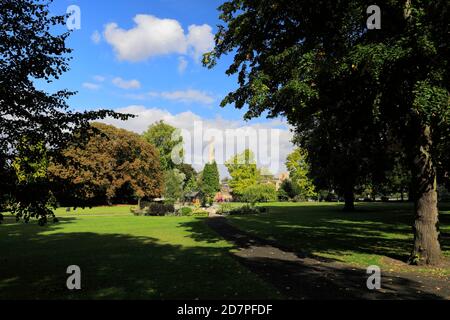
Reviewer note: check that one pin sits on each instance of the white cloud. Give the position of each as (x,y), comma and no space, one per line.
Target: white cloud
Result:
(153,36)
(91,86)
(201,40)
(197,148)
(126,84)
(182,65)
(96,37)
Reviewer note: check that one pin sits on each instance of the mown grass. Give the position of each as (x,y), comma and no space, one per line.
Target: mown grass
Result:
(377,233)
(122,257)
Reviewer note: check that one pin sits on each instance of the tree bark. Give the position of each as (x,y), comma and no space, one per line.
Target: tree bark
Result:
(349,198)
(426,249)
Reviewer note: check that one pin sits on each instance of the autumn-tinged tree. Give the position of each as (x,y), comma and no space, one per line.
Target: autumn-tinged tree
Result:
(29,51)
(310,59)
(113,164)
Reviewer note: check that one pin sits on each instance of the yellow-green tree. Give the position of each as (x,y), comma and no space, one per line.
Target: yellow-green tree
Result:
(243,171)
(298,168)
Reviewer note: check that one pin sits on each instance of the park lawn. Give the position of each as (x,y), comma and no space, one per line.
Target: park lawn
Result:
(122,257)
(377,234)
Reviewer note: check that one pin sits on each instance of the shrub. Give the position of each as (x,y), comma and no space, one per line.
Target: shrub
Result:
(200,213)
(260,193)
(245,210)
(1,218)
(160,209)
(185,211)
(299,198)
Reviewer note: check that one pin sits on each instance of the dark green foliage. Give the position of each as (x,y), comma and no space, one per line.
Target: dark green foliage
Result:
(246,210)
(287,188)
(188,171)
(155,209)
(282,195)
(160,209)
(173,185)
(210,180)
(353,95)
(30,52)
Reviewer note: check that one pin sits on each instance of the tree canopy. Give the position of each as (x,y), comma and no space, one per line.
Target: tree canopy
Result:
(113,164)
(169,143)
(210,180)
(30,51)
(314,60)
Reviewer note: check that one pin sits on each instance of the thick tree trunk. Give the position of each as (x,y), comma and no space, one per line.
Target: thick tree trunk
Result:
(426,249)
(349,198)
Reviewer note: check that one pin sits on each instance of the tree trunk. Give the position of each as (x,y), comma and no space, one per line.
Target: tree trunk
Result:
(426,249)
(349,198)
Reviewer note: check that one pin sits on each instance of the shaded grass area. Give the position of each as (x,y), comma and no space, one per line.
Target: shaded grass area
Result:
(122,257)
(377,233)
(102,210)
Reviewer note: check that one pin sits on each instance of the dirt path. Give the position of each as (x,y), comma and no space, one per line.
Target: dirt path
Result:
(299,277)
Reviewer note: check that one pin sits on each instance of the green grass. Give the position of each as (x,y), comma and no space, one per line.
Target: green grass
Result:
(368,236)
(122,257)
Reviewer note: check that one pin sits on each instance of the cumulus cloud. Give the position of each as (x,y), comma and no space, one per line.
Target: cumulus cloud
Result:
(152,36)
(91,86)
(126,84)
(201,40)
(270,141)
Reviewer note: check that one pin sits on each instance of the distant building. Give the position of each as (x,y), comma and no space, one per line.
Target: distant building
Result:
(281,178)
(224,195)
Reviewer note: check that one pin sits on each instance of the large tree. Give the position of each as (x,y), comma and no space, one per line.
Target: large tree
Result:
(289,55)
(210,180)
(169,143)
(31,52)
(114,165)
(173,185)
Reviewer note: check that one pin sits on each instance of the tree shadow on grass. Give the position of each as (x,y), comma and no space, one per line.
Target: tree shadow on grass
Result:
(34,260)
(301,281)
(330,232)
(298,277)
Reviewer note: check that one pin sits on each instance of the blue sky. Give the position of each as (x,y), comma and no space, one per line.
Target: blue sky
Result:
(156,74)
(143,57)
